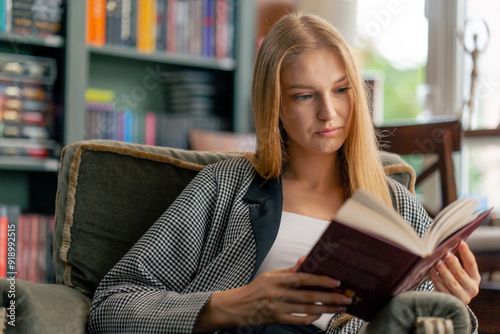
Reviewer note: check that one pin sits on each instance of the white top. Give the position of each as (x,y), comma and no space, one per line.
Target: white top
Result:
(296,236)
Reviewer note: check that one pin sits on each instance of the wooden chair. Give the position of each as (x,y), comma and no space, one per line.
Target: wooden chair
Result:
(441,139)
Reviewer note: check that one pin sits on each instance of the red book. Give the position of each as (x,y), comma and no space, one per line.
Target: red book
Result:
(376,254)
(32,270)
(4,227)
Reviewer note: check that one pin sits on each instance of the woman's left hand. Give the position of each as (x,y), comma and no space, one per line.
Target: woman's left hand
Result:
(449,276)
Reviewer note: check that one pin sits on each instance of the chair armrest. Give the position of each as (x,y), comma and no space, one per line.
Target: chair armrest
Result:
(44,308)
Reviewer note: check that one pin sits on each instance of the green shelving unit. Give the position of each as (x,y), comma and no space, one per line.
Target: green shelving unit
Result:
(32,183)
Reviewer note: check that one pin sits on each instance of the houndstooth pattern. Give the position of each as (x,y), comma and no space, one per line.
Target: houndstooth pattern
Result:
(202,244)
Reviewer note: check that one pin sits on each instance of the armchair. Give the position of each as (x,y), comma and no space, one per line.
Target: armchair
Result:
(109,194)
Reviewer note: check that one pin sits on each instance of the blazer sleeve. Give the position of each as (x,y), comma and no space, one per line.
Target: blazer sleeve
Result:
(147,290)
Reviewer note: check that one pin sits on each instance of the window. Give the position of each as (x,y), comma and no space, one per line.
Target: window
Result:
(392,39)
(480,175)
(486,106)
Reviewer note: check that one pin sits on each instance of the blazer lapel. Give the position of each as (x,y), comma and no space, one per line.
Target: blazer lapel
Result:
(265,216)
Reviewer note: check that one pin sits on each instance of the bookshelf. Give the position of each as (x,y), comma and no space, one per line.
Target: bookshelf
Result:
(102,67)
(31,184)
(80,66)
(28,182)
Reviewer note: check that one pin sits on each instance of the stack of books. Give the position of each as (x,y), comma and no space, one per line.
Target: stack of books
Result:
(26,108)
(41,18)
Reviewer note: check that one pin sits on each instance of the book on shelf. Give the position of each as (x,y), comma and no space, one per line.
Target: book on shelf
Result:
(146,26)
(376,254)
(190,27)
(161,25)
(96,22)
(33,256)
(4,240)
(41,18)
(27,111)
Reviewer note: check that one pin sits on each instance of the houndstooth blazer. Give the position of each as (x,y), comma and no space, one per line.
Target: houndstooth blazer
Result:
(213,237)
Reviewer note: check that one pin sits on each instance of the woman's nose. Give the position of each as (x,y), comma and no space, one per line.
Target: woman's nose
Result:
(327,109)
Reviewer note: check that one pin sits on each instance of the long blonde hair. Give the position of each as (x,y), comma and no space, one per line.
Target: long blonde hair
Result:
(290,37)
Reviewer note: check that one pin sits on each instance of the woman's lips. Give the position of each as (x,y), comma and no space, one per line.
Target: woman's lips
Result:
(328,132)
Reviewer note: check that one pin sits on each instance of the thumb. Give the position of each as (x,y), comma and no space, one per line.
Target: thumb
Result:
(299,263)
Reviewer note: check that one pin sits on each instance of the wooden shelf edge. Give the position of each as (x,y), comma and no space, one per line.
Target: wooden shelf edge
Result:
(54,41)
(29,164)
(482,133)
(227,64)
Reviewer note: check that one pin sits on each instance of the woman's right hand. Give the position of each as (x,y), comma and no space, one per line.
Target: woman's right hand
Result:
(273,297)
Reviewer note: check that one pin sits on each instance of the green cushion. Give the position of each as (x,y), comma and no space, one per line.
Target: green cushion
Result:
(44,308)
(109,194)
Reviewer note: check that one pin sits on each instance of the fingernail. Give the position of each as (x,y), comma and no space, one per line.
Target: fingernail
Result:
(347,300)
(334,283)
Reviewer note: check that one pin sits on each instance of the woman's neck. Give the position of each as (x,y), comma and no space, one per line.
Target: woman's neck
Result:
(314,171)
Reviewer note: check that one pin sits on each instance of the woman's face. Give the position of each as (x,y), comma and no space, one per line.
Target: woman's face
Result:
(316,102)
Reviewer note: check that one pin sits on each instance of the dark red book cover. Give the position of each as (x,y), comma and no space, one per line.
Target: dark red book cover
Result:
(371,269)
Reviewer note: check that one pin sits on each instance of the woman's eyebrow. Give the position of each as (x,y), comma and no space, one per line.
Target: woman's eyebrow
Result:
(302,86)
(341,79)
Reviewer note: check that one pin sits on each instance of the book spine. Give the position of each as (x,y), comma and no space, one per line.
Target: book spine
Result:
(33,247)
(161,25)
(150,128)
(209,28)
(19,246)
(41,256)
(146,30)
(96,22)
(8,15)
(230,29)
(128,120)
(134,22)
(126,23)
(197,34)
(172,25)
(3,16)
(181,26)
(4,232)
(110,22)
(221,29)
(117,23)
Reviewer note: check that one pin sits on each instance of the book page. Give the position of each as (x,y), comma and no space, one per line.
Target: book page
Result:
(367,213)
(460,213)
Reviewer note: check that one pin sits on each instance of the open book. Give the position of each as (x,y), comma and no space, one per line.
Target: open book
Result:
(376,254)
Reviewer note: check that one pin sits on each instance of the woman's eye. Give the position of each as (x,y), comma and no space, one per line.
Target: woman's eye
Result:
(303,96)
(343,90)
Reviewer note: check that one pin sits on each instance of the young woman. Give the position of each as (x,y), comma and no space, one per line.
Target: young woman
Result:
(224,255)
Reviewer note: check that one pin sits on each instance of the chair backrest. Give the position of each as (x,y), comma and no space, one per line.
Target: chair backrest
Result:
(439,138)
